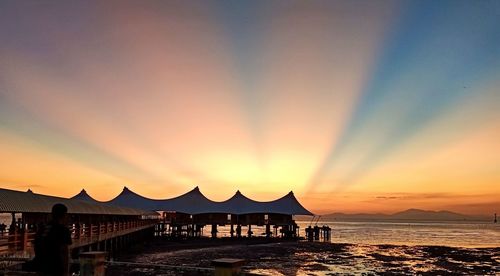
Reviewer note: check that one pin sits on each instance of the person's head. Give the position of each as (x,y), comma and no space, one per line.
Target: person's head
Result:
(59,211)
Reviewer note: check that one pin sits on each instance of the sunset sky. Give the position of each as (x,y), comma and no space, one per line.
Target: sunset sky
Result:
(356,106)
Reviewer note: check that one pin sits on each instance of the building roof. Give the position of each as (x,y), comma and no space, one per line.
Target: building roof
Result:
(29,202)
(194,202)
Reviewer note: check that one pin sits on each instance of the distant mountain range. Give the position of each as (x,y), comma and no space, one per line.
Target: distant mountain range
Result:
(410,214)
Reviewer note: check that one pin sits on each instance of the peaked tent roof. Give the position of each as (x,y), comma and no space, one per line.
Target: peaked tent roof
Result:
(194,202)
(128,198)
(287,204)
(29,202)
(83,195)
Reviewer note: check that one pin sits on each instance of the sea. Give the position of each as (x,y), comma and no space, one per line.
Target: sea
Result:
(454,234)
(356,248)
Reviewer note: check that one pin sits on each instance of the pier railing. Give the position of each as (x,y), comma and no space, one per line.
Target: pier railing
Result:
(20,241)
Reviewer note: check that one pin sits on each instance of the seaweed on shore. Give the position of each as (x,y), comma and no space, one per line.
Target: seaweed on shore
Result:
(315,258)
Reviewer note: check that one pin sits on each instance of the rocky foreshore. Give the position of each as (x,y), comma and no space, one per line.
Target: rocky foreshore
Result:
(316,258)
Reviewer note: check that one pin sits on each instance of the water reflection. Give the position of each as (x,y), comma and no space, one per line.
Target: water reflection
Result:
(314,258)
(457,234)
(400,260)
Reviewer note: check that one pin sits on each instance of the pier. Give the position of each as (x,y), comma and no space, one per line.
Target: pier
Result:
(129,219)
(93,226)
(187,215)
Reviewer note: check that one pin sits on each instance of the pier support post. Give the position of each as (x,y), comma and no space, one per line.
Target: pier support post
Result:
(238,231)
(227,266)
(24,238)
(12,222)
(214,231)
(92,263)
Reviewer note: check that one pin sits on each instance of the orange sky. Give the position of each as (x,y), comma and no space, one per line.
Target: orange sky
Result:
(356,107)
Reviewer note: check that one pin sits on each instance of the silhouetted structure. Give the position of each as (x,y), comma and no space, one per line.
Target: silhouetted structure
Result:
(326,233)
(186,215)
(309,233)
(93,226)
(495,221)
(317,233)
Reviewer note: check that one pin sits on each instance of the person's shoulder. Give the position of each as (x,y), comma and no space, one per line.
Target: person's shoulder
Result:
(62,233)
(59,228)
(64,228)
(66,234)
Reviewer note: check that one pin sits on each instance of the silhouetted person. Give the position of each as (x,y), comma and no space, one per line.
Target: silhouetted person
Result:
(52,244)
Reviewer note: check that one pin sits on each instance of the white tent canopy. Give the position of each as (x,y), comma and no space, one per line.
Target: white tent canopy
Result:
(12,201)
(194,202)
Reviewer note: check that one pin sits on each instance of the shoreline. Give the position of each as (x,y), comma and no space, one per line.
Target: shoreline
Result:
(317,258)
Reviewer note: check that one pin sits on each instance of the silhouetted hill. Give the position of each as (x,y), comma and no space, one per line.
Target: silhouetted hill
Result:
(410,214)
(416,214)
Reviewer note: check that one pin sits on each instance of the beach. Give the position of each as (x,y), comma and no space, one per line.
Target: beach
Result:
(363,248)
(319,258)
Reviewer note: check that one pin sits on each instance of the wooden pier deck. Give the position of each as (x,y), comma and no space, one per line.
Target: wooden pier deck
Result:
(93,226)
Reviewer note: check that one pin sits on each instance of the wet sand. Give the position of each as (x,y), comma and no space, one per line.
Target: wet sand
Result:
(316,258)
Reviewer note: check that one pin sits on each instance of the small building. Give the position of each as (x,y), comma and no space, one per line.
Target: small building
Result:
(188,214)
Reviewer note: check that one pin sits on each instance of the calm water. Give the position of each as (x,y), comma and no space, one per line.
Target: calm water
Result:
(415,233)
(481,234)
